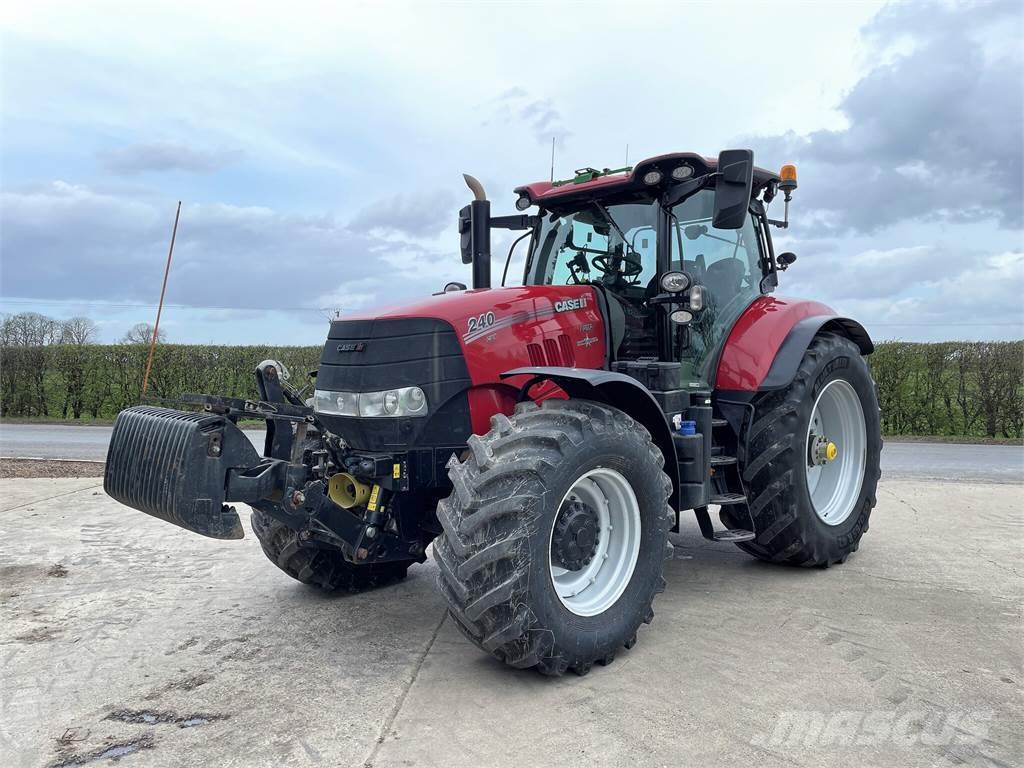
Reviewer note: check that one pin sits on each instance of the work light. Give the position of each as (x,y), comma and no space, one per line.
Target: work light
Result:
(674,282)
(681,317)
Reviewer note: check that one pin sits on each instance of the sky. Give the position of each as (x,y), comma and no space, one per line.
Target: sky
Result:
(318,149)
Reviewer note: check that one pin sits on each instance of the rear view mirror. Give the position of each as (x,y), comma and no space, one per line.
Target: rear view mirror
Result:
(733,187)
(466,234)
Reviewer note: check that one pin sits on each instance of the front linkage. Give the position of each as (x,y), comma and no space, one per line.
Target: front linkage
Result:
(186,467)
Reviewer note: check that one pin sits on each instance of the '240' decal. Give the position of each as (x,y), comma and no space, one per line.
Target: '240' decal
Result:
(479,323)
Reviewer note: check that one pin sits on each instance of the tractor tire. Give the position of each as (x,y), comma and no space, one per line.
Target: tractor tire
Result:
(317,564)
(809,510)
(532,517)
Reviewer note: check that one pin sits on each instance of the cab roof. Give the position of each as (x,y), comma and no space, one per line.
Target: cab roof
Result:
(591,184)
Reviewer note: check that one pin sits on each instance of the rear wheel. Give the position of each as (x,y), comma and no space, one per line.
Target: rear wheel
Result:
(812,460)
(555,535)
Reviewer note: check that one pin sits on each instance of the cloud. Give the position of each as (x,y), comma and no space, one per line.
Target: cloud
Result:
(539,115)
(981,302)
(934,132)
(165,156)
(70,242)
(416,214)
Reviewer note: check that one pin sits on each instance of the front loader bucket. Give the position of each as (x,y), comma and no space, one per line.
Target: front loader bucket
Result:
(174,464)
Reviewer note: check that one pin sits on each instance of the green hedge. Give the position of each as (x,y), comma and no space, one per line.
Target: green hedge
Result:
(96,381)
(944,389)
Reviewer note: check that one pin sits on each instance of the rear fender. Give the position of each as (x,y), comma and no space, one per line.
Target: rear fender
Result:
(767,343)
(619,391)
(788,358)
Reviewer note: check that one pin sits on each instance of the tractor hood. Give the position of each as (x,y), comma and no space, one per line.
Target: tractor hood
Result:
(456,307)
(500,328)
(453,344)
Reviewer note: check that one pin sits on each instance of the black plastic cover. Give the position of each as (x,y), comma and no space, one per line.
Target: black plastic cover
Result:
(375,355)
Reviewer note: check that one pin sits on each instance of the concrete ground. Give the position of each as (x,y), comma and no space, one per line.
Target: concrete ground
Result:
(125,638)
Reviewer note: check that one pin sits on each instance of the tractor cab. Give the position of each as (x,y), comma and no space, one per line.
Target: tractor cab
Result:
(678,246)
(713,274)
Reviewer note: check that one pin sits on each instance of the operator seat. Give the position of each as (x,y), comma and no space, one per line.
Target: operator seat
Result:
(723,279)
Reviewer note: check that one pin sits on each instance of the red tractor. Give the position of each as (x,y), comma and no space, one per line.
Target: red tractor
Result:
(546,437)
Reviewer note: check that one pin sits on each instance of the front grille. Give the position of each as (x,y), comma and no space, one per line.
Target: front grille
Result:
(375,355)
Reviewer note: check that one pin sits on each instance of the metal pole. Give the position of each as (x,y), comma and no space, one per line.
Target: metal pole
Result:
(160,306)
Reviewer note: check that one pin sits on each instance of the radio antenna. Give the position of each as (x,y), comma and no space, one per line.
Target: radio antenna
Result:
(552,159)
(627,155)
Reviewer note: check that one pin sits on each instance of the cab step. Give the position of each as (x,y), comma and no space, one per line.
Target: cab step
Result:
(729,535)
(733,536)
(725,499)
(722,461)
(719,422)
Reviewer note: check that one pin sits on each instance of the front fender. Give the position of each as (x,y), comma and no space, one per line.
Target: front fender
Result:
(767,343)
(620,391)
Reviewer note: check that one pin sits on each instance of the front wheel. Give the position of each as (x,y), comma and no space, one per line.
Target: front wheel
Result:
(555,535)
(812,460)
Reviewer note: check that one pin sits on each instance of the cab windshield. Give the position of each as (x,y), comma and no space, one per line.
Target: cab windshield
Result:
(613,245)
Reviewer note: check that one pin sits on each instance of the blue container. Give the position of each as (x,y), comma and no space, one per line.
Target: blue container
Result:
(688,428)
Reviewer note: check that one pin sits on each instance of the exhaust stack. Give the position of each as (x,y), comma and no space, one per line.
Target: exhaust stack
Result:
(475,229)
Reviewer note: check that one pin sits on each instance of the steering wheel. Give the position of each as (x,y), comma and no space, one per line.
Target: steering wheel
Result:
(627,267)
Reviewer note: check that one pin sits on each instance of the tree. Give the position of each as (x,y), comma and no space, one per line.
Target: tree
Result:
(78,331)
(142,333)
(33,333)
(29,329)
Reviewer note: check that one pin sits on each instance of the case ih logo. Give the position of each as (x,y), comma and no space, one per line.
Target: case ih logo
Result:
(355,346)
(571,305)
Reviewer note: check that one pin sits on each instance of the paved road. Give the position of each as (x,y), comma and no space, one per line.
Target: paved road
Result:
(125,636)
(59,441)
(934,461)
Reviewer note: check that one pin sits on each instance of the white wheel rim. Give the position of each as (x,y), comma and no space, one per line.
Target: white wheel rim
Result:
(834,485)
(596,586)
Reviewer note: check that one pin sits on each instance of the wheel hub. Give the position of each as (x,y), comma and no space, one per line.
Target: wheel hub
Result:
(821,450)
(574,542)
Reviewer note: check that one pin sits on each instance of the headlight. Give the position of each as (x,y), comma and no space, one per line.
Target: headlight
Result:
(674,282)
(523,202)
(404,401)
(652,177)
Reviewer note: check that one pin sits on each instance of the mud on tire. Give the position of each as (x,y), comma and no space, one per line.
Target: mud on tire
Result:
(493,555)
(774,467)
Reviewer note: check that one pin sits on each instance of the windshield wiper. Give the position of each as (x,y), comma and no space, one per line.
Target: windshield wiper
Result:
(610,220)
